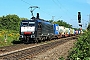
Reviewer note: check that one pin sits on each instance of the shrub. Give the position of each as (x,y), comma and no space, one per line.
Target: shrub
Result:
(82,48)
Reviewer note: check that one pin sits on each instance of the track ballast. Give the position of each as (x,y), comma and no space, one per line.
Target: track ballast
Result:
(29,52)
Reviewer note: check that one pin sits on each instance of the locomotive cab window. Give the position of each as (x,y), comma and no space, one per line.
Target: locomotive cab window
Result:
(24,23)
(31,23)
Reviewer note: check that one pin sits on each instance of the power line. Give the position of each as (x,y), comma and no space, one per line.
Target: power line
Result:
(25,2)
(56,4)
(40,9)
(67,10)
(61,8)
(46,12)
(43,10)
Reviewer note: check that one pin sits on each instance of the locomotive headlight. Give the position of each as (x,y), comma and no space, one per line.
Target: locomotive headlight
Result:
(21,36)
(33,32)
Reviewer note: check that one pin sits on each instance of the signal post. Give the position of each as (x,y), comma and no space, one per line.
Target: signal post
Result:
(79,21)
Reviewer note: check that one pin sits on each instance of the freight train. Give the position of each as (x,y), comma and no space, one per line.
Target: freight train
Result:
(37,29)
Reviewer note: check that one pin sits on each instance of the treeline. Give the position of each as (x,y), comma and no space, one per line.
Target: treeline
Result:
(10,22)
(61,23)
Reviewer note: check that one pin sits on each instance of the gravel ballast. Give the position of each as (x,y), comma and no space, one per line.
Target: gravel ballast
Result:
(54,54)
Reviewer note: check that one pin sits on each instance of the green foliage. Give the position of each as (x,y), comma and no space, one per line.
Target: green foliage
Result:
(62,23)
(61,58)
(23,19)
(81,51)
(51,21)
(10,22)
(88,28)
(9,29)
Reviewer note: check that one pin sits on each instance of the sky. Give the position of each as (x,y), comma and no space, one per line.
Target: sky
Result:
(66,10)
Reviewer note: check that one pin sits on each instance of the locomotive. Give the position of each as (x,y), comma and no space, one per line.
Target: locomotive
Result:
(37,29)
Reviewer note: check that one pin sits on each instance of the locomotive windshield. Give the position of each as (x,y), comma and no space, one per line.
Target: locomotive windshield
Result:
(24,23)
(31,23)
(28,23)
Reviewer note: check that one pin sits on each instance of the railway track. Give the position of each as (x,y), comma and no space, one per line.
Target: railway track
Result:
(29,52)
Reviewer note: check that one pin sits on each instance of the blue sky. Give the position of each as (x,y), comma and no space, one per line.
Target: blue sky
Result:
(65,10)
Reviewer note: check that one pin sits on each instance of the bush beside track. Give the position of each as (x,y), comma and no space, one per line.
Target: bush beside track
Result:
(7,37)
(81,50)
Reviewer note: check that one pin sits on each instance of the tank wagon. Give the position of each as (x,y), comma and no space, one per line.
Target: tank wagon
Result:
(61,31)
(67,32)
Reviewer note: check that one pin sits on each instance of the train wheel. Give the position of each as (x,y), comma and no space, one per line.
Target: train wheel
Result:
(27,40)
(49,38)
(36,40)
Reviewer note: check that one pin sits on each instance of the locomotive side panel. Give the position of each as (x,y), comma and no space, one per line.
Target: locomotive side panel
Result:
(47,29)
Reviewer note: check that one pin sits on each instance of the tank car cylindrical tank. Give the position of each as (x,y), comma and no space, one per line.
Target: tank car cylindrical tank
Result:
(62,31)
(67,32)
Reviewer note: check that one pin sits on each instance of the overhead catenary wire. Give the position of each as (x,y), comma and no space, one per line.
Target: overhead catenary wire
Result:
(39,8)
(68,11)
(61,7)
(64,7)
(57,18)
(26,2)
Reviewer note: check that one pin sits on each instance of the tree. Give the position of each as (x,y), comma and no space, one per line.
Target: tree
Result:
(23,19)
(0,22)
(51,21)
(11,22)
(62,23)
(88,28)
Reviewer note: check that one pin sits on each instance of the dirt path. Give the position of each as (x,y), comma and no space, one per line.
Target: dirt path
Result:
(55,53)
